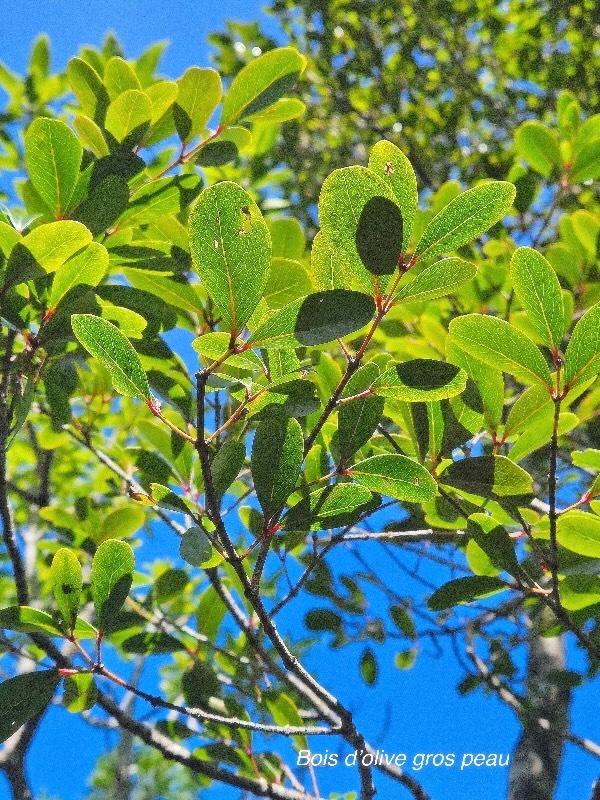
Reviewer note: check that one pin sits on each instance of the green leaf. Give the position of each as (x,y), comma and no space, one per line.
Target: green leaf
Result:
(195,548)
(169,585)
(579,532)
(466,217)
(586,164)
(488,475)
(390,164)
(231,250)
(88,88)
(226,465)
(538,145)
(120,523)
(67,583)
(358,419)
(162,95)
(128,116)
(111,578)
(45,249)
(119,77)
(260,83)
(214,344)
(539,293)
(176,294)
(464,590)
(334,506)
(530,405)
(582,358)
(436,280)
(495,542)
(281,110)
(360,217)
(23,697)
(421,380)
(114,351)
(277,453)
(88,267)
(152,643)
(325,316)
(28,620)
(287,238)
(165,498)
(199,94)
(331,271)
(91,136)
(368,667)
(395,476)
(80,692)
(52,158)
(502,346)
(288,281)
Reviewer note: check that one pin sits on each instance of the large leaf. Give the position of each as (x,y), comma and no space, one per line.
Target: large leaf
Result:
(111,578)
(277,453)
(488,476)
(199,94)
(539,293)
(582,359)
(106,343)
(231,249)
(53,157)
(437,280)
(260,83)
(580,533)
(389,163)
(28,620)
(464,590)
(395,476)
(539,146)
(420,381)
(67,583)
(334,506)
(466,217)
(360,217)
(45,249)
(89,267)
(24,696)
(500,345)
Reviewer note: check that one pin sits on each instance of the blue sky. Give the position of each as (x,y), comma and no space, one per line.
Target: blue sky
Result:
(413,712)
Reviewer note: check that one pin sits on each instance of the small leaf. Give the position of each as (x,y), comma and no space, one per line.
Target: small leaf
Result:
(28,620)
(88,88)
(226,465)
(166,498)
(436,280)
(199,94)
(466,217)
(582,358)
(231,250)
(390,164)
(464,590)
(89,267)
(538,145)
(119,77)
(152,643)
(334,506)
(195,548)
(281,110)
(169,585)
(488,475)
(358,419)
(52,158)
(114,351)
(419,381)
(80,692)
(368,667)
(539,293)
(395,476)
(120,523)
(260,83)
(111,578)
(67,583)
(24,696)
(502,346)
(277,453)
(213,344)
(495,542)
(579,532)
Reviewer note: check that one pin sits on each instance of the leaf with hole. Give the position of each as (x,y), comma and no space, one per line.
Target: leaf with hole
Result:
(67,583)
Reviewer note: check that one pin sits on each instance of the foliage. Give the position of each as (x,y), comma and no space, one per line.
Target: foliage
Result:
(417,362)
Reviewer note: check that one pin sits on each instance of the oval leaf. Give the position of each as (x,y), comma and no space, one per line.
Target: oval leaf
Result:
(128,116)
(337,505)
(464,590)
(28,620)
(226,465)
(420,381)
(500,345)
(437,280)
(580,533)
(358,418)
(67,582)
(24,696)
(395,476)
(80,692)
(277,453)
(582,358)
(199,94)
(53,157)
(87,267)
(325,316)
(538,145)
(390,164)
(115,352)
(260,83)
(195,548)
(111,578)
(231,250)
(539,293)
(488,475)
(466,217)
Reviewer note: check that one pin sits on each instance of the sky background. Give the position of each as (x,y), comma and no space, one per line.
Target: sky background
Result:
(413,712)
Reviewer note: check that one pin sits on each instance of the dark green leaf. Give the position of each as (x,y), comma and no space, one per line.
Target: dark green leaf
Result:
(152,643)
(195,548)
(488,475)
(23,697)
(277,453)
(464,590)
(368,667)
(226,465)
(325,316)
(111,578)
(334,506)
(358,419)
